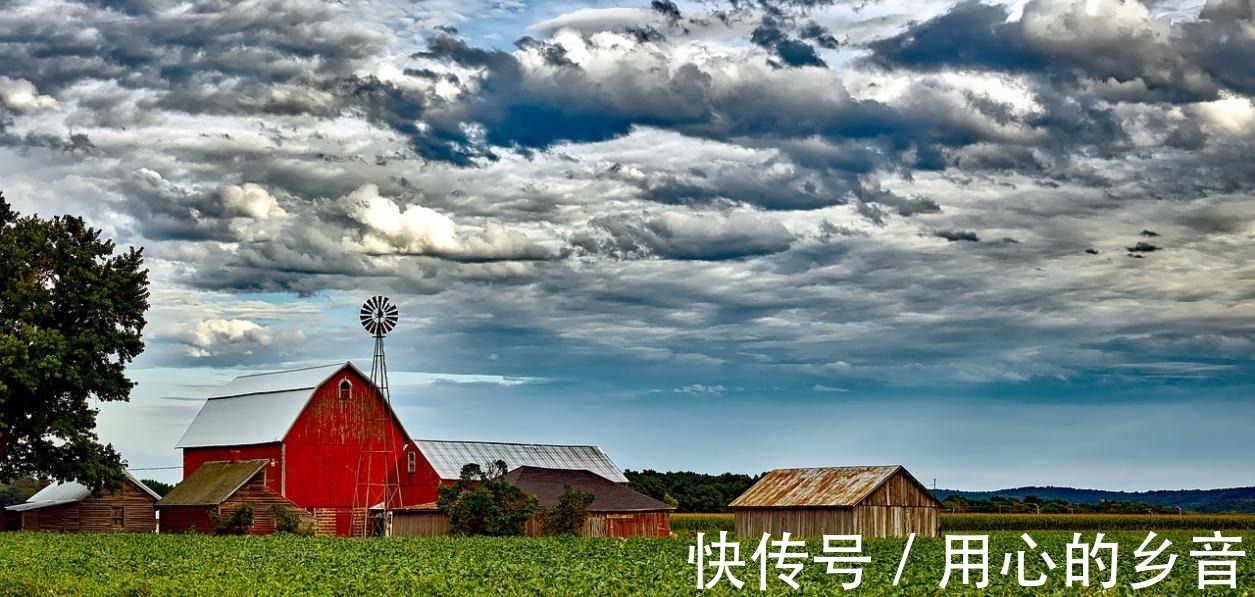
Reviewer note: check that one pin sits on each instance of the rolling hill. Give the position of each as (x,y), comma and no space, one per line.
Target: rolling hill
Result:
(1234,499)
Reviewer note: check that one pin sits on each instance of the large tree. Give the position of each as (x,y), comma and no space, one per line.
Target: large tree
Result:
(71,314)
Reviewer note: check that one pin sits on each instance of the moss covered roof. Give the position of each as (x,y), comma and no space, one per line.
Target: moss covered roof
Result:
(212,483)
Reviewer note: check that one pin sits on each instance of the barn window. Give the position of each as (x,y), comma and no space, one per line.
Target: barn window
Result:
(346,390)
(119,516)
(411,462)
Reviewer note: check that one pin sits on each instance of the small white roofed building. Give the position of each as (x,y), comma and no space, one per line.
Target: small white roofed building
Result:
(70,507)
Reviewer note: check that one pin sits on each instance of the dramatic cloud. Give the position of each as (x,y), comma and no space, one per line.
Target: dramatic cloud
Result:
(797,191)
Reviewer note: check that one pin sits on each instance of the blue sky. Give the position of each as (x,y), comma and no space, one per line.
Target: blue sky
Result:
(1001,244)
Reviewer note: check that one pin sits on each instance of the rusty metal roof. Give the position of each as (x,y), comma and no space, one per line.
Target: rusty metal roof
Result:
(838,486)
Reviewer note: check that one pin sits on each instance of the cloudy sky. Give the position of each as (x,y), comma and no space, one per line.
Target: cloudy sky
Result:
(1002,244)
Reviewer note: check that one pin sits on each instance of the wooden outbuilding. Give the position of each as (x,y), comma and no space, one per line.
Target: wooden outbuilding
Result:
(872,501)
(73,508)
(616,511)
(218,489)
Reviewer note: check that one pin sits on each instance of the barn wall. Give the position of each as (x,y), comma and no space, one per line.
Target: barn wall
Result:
(95,514)
(257,493)
(897,521)
(419,524)
(324,450)
(799,522)
(187,519)
(194,457)
(900,490)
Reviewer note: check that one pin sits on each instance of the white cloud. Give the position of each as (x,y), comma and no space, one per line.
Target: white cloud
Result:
(21,95)
(388,228)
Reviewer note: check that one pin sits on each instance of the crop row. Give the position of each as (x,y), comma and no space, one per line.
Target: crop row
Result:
(689,524)
(91,565)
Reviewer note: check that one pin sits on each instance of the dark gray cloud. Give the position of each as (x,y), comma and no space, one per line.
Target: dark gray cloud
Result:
(1117,44)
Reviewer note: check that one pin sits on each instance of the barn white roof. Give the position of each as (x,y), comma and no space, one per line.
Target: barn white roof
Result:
(69,492)
(448,457)
(256,409)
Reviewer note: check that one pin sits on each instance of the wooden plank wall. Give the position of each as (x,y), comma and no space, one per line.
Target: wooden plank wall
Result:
(255,493)
(897,521)
(419,524)
(187,519)
(95,514)
(900,490)
(799,522)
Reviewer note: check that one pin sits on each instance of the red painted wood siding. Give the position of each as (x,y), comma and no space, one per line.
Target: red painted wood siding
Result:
(194,457)
(323,449)
(185,519)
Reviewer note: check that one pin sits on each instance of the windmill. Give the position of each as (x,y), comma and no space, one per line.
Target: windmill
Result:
(377,490)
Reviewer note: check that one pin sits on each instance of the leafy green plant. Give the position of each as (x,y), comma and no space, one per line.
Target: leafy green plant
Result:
(288,521)
(483,502)
(238,522)
(568,515)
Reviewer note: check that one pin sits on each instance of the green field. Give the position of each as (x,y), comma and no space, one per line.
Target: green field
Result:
(687,524)
(51,564)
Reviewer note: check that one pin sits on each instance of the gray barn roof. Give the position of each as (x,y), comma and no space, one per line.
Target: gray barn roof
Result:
(69,492)
(256,409)
(448,457)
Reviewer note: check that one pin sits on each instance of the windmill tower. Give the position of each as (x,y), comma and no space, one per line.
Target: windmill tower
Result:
(377,488)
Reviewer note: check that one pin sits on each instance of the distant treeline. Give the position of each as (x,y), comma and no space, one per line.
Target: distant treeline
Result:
(1033,505)
(691,492)
(1211,501)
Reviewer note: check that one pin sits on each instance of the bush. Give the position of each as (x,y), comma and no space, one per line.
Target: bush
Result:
(568,515)
(484,503)
(237,523)
(288,521)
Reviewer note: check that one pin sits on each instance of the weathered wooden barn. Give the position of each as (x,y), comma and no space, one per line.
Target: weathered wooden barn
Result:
(616,511)
(872,501)
(218,489)
(331,442)
(72,508)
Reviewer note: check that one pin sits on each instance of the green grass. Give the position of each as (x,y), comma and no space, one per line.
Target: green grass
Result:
(51,564)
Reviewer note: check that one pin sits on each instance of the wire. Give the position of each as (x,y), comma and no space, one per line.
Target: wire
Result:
(155,468)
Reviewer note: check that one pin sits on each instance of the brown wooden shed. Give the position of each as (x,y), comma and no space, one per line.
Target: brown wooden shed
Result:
(221,488)
(872,501)
(72,508)
(616,511)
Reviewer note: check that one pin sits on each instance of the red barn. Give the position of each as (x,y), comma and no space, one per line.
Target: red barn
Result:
(331,442)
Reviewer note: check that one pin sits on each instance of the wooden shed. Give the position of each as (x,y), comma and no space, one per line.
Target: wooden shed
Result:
(221,488)
(872,501)
(616,511)
(72,508)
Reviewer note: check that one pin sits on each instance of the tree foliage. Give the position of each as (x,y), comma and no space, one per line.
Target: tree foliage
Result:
(483,502)
(690,492)
(238,522)
(71,314)
(160,487)
(568,515)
